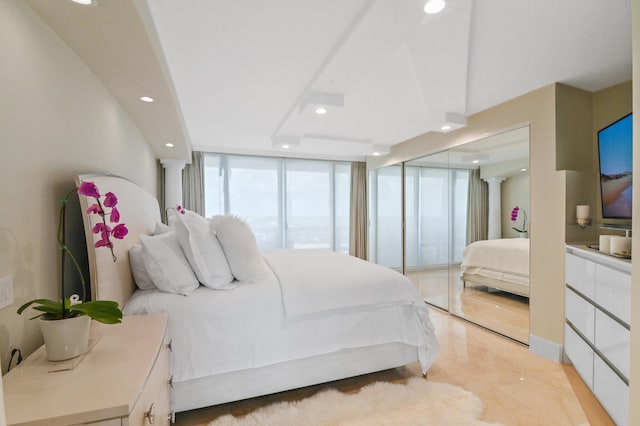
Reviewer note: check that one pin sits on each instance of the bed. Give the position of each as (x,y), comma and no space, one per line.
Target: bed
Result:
(306,316)
(502,264)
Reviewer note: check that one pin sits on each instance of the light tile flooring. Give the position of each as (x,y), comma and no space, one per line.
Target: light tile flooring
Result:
(500,311)
(516,386)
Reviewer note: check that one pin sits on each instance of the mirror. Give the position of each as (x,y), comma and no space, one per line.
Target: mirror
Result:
(461,250)
(489,273)
(459,247)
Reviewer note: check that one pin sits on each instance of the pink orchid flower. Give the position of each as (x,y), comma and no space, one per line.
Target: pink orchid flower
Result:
(89,189)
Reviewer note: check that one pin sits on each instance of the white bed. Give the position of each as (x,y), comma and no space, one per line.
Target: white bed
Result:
(501,263)
(313,316)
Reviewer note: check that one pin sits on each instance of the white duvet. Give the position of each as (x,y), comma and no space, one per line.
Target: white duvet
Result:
(312,303)
(506,258)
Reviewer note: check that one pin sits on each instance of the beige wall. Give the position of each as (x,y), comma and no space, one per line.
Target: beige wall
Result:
(56,120)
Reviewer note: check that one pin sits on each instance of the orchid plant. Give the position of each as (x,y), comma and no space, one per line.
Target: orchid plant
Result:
(104,311)
(514,216)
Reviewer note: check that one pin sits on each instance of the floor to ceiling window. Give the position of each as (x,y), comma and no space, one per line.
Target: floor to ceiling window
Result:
(288,203)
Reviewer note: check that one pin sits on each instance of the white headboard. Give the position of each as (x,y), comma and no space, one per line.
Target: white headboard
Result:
(140,211)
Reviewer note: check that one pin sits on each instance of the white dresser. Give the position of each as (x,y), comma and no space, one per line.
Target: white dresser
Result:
(597,318)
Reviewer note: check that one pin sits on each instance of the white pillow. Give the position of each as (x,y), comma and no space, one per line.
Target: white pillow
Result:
(161,228)
(138,269)
(240,247)
(166,264)
(203,251)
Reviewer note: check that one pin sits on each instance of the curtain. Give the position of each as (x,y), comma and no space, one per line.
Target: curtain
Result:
(477,208)
(161,188)
(358,221)
(193,183)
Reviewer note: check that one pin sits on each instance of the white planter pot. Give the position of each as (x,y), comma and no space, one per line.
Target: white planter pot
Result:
(65,338)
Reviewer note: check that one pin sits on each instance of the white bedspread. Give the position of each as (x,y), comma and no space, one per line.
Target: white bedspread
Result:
(498,258)
(316,281)
(215,331)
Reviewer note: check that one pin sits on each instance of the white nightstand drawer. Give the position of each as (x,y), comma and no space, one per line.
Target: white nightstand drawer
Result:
(154,401)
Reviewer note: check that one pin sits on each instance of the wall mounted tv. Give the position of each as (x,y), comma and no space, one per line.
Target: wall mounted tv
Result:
(615,152)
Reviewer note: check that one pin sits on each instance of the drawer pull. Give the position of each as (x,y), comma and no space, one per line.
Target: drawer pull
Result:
(170,345)
(171,381)
(151,414)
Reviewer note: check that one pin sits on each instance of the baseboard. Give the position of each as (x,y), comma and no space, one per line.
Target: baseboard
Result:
(545,348)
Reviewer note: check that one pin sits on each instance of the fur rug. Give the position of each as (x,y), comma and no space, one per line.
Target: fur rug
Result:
(418,402)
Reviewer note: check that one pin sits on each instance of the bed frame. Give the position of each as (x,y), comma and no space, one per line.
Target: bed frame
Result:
(114,281)
(472,280)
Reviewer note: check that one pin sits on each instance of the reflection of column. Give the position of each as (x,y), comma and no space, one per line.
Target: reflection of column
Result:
(495,219)
(172,181)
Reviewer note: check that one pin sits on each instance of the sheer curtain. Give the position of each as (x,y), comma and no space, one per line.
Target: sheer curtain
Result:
(358,222)
(193,183)
(477,208)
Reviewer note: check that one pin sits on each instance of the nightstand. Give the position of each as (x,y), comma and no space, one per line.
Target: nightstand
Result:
(123,380)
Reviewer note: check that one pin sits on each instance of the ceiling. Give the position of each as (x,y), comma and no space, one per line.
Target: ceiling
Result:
(239,76)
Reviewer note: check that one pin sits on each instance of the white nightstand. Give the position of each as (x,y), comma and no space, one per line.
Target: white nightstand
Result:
(123,380)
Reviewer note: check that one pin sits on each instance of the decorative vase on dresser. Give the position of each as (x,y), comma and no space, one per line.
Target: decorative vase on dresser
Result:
(597,318)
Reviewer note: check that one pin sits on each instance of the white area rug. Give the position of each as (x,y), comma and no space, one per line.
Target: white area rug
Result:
(419,402)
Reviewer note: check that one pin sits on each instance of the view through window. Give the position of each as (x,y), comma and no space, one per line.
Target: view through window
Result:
(288,203)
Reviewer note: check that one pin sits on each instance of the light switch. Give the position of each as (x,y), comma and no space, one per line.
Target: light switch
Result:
(6,291)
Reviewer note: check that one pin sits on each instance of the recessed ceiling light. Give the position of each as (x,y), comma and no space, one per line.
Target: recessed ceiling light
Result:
(321,110)
(285,146)
(84,2)
(446,127)
(434,6)
(523,170)
(376,154)
(169,145)
(475,161)
(146,99)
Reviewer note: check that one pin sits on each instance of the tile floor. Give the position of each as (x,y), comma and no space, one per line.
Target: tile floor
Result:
(516,386)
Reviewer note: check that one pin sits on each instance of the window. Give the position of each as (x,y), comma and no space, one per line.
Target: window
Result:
(287,203)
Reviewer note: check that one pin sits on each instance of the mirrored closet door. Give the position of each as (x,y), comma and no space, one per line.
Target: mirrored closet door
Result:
(459,247)
(489,268)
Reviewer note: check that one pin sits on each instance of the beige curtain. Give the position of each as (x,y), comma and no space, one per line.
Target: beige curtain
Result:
(358,221)
(193,183)
(477,208)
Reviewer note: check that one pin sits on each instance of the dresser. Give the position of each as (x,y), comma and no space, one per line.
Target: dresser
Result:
(597,318)
(122,380)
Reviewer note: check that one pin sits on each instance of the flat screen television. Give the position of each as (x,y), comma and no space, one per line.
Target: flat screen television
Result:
(615,152)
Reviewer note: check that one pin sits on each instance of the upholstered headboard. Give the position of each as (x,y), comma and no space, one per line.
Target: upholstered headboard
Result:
(140,211)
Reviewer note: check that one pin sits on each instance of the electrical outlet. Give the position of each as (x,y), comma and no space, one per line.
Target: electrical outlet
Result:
(6,291)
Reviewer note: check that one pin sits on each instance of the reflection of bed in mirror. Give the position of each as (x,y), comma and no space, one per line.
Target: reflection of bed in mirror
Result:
(502,264)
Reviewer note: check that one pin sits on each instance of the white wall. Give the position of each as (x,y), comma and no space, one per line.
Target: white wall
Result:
(56,120)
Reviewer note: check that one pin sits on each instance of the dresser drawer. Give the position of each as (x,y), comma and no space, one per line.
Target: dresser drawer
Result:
(153,402)
(613,292)
(580,354)
(580,274)
(581,313)
(612,339)
(612,392)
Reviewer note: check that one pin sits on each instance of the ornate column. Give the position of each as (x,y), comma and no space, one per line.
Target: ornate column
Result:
(172,181)
(494,230)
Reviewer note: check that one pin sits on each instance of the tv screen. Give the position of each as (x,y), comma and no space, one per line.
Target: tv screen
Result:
(615,149)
